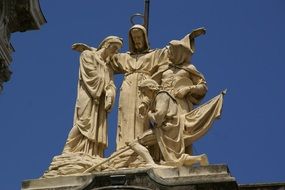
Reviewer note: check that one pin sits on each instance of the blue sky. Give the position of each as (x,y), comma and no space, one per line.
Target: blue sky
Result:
(242,51)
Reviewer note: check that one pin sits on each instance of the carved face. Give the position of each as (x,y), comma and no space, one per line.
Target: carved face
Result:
(147,97)
(138,39)
(174,55)
(171,54)
(177,53)
(113,48)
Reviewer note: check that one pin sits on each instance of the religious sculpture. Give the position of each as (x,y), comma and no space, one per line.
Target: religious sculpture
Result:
(179,77)
(167,129)
(138,64)
(95,97)
(157,120)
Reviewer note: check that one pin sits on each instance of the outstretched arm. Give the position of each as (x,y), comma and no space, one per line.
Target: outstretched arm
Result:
(117,63)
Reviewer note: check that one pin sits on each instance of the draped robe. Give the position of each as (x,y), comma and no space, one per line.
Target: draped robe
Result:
(89,132)
(172,130)
(135,67)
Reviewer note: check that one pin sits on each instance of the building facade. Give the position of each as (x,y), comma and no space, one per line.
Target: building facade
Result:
(15,16)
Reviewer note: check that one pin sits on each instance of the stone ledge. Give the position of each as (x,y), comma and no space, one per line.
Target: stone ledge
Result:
(67,182)
(204,177)
(262,186)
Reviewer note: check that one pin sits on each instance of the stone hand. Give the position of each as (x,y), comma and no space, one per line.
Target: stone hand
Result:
(109,100)
(108,103)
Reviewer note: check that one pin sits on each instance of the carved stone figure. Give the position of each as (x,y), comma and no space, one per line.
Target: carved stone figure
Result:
(167,128)
(137,64)
(180,72)
(157,124)
(170,130)
(95,97)
(180,78)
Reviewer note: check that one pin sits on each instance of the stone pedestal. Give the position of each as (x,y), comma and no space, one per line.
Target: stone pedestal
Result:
(191,178)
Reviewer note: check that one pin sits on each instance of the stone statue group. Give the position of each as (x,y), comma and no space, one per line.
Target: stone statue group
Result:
(157,123)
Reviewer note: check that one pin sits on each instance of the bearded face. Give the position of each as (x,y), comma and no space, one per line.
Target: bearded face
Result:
(138,40)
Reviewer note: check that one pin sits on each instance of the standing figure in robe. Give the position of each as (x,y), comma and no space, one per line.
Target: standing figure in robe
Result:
(180,78)
(137,64)
(95,97)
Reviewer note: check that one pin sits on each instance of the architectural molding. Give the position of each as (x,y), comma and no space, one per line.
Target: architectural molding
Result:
(16,16)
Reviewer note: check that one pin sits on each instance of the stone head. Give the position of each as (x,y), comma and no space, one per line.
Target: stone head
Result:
(178,52)
(149,88)
(111,44)
(138,42)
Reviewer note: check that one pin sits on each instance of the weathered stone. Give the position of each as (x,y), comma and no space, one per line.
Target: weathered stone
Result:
(204,177)
(15,16)
(263,186)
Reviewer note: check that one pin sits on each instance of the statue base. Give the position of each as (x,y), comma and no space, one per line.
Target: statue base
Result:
(200,177)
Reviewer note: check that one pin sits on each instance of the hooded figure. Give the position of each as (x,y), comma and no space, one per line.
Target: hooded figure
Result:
(180,78)
(137,64)
(95,97)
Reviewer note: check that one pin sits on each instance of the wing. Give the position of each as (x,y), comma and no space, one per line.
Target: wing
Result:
(80,47)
